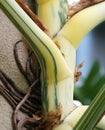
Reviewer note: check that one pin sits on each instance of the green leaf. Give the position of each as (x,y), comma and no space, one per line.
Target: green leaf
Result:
(92,115)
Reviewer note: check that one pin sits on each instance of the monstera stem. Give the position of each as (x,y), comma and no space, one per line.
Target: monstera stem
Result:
(56,78)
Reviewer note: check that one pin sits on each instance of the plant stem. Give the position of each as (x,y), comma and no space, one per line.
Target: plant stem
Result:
(33,17)
(94,113)
(49,56)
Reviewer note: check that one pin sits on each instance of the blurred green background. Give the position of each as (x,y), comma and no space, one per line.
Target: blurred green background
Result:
(92,52)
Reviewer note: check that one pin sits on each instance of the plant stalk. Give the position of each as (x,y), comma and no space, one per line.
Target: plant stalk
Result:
(94,113)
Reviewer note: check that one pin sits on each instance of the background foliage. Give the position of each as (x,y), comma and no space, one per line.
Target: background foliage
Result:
(90,85)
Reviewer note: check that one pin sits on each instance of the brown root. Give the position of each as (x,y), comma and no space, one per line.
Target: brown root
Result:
(14,116)
(29,102)
(31,123)
(34,17)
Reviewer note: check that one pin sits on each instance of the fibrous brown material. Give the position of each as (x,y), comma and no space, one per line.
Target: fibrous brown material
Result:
(77,74)
(76,7)
(51,120)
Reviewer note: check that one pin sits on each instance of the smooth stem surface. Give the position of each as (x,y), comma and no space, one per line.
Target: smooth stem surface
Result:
(93,114)
(59,76)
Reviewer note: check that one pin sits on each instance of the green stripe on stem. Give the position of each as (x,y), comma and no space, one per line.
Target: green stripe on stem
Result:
(94,113)
(55,71)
